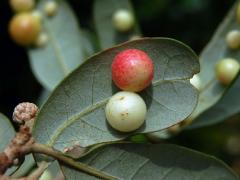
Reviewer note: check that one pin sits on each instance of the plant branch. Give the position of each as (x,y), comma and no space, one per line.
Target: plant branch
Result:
(43,149)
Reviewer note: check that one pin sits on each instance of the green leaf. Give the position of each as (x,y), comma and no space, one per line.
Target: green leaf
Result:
(63,51)
(90,43)
(7,132)
(160,161)
(212,91)
(228,106)
(52,172)
(26,167)
(43,97)
(74,112)
(103,12)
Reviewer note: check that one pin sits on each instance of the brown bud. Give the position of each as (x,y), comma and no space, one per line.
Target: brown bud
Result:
(24,112)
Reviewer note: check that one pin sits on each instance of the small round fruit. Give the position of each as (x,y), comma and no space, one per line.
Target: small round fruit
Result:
(175,129)
(42,40)
(50,8)
(37,14)
(233,39)
(132,70)
(196,81)
(226,70)
(123,20)
(126,111)
(22,5)
(24,28)
(159,136)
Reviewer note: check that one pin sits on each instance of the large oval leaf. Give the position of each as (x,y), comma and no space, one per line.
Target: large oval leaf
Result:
(103,12)
(63,52)
(160,161)
(212,90)
(74,113)
(7,132)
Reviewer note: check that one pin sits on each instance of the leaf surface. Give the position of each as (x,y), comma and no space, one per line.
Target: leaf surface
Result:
(63,51)
(212,92)
(74,113)
(159,161)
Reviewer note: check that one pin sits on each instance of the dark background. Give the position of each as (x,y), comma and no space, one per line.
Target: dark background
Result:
(190,21)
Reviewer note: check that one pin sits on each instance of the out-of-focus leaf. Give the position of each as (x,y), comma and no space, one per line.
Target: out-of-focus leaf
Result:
(103,12)
(228,106)
(161,161)
(7,132)
(43,97)
(26,167)
(89,43)
(211,90)
(63,51)
(53,172)
(74,113)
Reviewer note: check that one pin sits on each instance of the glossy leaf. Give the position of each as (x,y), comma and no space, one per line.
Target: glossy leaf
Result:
(103,12)
(160,161)
(7,132)
(212,91)
(74,113)
(63,51)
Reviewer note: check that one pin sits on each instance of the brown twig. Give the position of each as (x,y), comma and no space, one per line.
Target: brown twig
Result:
(23,143)
(19,146)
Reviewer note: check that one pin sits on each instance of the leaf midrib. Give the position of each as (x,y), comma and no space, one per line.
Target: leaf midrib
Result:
(91,108)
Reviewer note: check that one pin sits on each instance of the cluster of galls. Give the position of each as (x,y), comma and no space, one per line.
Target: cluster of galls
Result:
(25,27)
(132,71)
(227,68)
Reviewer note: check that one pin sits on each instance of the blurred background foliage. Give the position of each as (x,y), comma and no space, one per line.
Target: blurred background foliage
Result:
(190,21)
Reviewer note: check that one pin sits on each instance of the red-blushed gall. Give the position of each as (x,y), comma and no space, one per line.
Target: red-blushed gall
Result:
(22,5)
(233,39)
(226,70)
(123,20)
(132,70)
(24,28)
(126,111)
(51,8)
